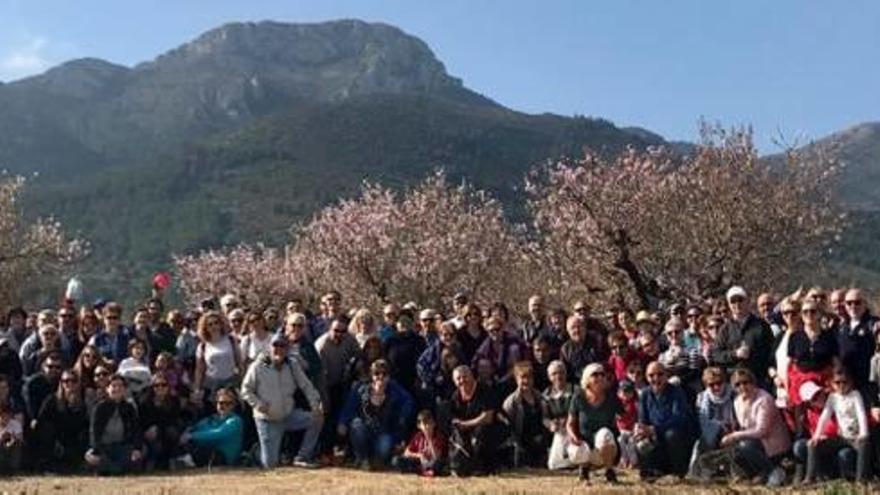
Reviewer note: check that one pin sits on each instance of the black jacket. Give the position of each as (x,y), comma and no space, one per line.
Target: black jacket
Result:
(756,334)
(102,414)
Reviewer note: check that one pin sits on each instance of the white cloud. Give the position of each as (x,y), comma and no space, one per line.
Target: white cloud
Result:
(25,59)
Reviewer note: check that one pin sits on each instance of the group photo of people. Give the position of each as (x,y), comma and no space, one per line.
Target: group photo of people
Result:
(766,389)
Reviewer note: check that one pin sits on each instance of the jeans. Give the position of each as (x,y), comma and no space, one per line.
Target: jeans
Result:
(751,457)
(852,457)
(670,455)
(271,433)
(369,442)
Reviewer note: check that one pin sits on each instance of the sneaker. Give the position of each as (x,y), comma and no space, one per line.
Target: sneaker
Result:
(428,473)
(364,465)
(611,476)
(584,474)
(776,478)
(184,461)
(302,462)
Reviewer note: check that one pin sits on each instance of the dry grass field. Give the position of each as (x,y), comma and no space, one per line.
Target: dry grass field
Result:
(346,481)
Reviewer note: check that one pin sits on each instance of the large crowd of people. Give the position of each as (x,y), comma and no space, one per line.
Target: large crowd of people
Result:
(771,390)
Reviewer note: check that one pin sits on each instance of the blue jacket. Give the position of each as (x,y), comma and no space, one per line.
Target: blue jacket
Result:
(116,350)
(668,410)
(394,417)
(224,435)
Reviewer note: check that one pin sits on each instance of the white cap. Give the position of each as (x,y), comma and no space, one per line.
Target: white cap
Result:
(427,314)
(736,291)
(809,390)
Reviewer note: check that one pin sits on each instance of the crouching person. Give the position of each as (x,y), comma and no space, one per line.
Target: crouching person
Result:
(376,417)
(524,410)
(269,386)
(472,439)
(592,428)
(114,433)
(215,440)
(11,441)
(426,452)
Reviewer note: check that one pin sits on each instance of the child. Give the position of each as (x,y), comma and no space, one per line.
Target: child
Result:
(846,406)
(135,368)
(635,373)
(626,422)
(621,355)
(426,450)
(11,441)
(174,373)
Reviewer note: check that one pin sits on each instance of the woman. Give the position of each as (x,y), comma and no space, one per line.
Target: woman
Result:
(429,364)
(63,426)
(10,401)
(237,326)
(558,399)
(812,352)
(708,328)
(216,439)
(258,339)
(217,357)
(161,422)
(87,325)
(471,336)
(591,426)
(791,315)
(358,368)
(524,411)
(502,348)
(376,417)
(715,414)
(114,433)
(85,366)
(112,340)
(762,438)
(362,325)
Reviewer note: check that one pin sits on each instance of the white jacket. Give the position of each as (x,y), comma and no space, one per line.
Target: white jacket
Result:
(266,385)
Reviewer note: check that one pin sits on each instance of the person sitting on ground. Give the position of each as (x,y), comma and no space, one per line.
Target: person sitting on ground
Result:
(524,412)
(62,426)
(426,452)
(472,441)
(114,433)
(626,423)
(11,441)
(217,439)
(376,417)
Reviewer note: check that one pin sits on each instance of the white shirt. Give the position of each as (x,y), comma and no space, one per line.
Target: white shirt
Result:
(219,358)
(849,410)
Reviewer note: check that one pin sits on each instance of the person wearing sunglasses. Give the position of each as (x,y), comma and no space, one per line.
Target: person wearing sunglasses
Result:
(161,421)
(112,339)
(376,417)
(744,340)
(215,440)
(62,430)
(664,433)
(269,387)
(856,339)
(762,438)
(592,427)
(716,416)
(812,350)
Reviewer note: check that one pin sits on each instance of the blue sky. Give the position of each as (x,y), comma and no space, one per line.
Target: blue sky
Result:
(800,68)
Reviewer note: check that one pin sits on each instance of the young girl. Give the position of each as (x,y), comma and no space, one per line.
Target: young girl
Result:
(174,372)
(135,368)
(426,450)
(626,422)
(621,355)
(846,406)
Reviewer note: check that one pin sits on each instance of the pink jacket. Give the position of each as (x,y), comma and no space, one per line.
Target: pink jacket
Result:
(761,419)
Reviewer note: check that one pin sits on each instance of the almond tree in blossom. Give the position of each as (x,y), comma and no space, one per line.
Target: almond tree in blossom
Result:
(651,226)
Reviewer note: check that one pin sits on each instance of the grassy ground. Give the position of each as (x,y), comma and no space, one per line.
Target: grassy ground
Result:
(347,481)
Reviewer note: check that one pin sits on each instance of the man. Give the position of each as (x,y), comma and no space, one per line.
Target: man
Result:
(767,312)
(664,432)
(576,353)
(40,385)
(112,339)
(67,328)
(336,347)
(745,340)
(594,331)
(269,386)
(855,339)
(229,302)
(428,325)
(390,314)
(402,351)
(16,332)
(502,349)
(537,324)
(838,306)
(331,309)
(162,336)
(472,417)
(46,341)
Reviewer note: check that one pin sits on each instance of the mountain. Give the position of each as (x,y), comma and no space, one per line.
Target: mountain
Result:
(251,127)
(858,149)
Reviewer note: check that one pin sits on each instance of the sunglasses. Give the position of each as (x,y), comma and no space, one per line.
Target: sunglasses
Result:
(53,366)
(840,382)
(789,312)
(69,380)
(102,373)
(714,384)
(742,383)
(380,374)
(111,317)
(160,385)
(225,403)
(853,303)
